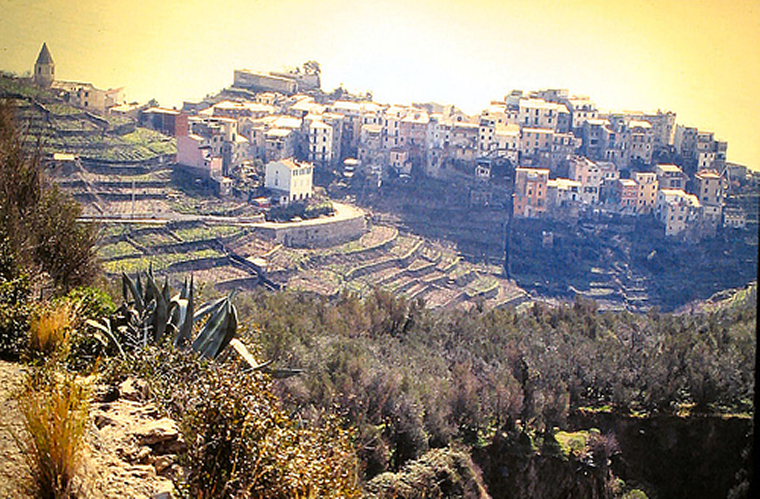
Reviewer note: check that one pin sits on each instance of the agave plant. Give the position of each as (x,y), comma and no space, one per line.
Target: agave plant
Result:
(149,314)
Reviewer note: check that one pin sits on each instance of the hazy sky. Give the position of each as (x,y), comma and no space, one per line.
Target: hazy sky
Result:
(697,58)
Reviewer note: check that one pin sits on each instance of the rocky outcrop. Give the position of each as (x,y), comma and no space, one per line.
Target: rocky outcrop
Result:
(513,470)
(133,450)
(672,456)
(439,474)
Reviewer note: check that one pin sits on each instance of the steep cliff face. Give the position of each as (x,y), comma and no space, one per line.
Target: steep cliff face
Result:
(667,456)
(510,471)
(670,456)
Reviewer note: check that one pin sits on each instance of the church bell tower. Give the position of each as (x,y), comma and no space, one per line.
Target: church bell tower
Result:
(44,68)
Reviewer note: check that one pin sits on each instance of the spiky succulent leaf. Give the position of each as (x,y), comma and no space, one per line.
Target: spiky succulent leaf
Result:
(213,333)
(150,287)
(166,292)
(186,320)
(185,292)
(160,315)
(124,287)
(139,288)
(220,341)
(137,298)
(105,328)
(209,308)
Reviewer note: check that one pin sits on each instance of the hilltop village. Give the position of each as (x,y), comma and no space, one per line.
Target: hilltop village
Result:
(280,149)
(568,155)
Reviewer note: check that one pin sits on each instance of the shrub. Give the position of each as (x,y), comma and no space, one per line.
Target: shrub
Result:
(441,473)
(91,302)
(317,210)
(50,329)
(603,447)
(55,412)
(241,443)
(15,306)
(84,347)
(286,212)
(635,494)
(38,220)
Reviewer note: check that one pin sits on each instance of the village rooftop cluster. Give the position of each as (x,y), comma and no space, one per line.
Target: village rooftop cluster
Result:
(567,157)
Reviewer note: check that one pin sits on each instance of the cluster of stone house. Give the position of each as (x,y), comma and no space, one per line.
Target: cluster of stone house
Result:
(597,185)
(541,129)
(280,118)
(540,133)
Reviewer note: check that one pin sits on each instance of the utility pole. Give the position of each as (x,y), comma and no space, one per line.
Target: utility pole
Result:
(133,198)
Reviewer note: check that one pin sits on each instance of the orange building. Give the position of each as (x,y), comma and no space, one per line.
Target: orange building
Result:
(531,188)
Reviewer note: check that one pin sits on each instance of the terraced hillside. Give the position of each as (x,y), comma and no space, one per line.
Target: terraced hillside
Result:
(231,257)
(176,248)
(142,190)
(58,127)
(404,264)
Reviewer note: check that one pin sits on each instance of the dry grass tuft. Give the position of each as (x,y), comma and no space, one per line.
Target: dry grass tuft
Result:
(55,413)
(49,331)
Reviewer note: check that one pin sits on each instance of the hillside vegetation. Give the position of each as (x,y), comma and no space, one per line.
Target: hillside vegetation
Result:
(411,378)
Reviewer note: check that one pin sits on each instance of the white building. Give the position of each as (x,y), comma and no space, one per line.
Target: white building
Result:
(563,192)
(591,176)
(538,113)
(288,180)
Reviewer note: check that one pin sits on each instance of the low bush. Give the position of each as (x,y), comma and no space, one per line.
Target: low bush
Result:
(84,348)
(286,212)
(50,329)
(317,210)
(55,409)
(241,442)
(441,473)
(303,209)
(15,306)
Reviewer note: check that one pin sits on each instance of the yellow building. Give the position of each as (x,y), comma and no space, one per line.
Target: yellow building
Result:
(531,192)
(710,193)
(646,192)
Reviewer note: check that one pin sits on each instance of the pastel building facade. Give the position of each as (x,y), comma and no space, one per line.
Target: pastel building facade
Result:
(670,176)
(289,180)
(531,192)
(646,192)
(677,210)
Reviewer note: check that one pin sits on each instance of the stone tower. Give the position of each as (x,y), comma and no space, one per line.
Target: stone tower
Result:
(44,68)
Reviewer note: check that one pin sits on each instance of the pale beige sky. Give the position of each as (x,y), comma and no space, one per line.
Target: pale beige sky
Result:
(697,58)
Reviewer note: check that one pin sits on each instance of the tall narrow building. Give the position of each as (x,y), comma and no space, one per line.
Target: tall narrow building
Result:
(44,68)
